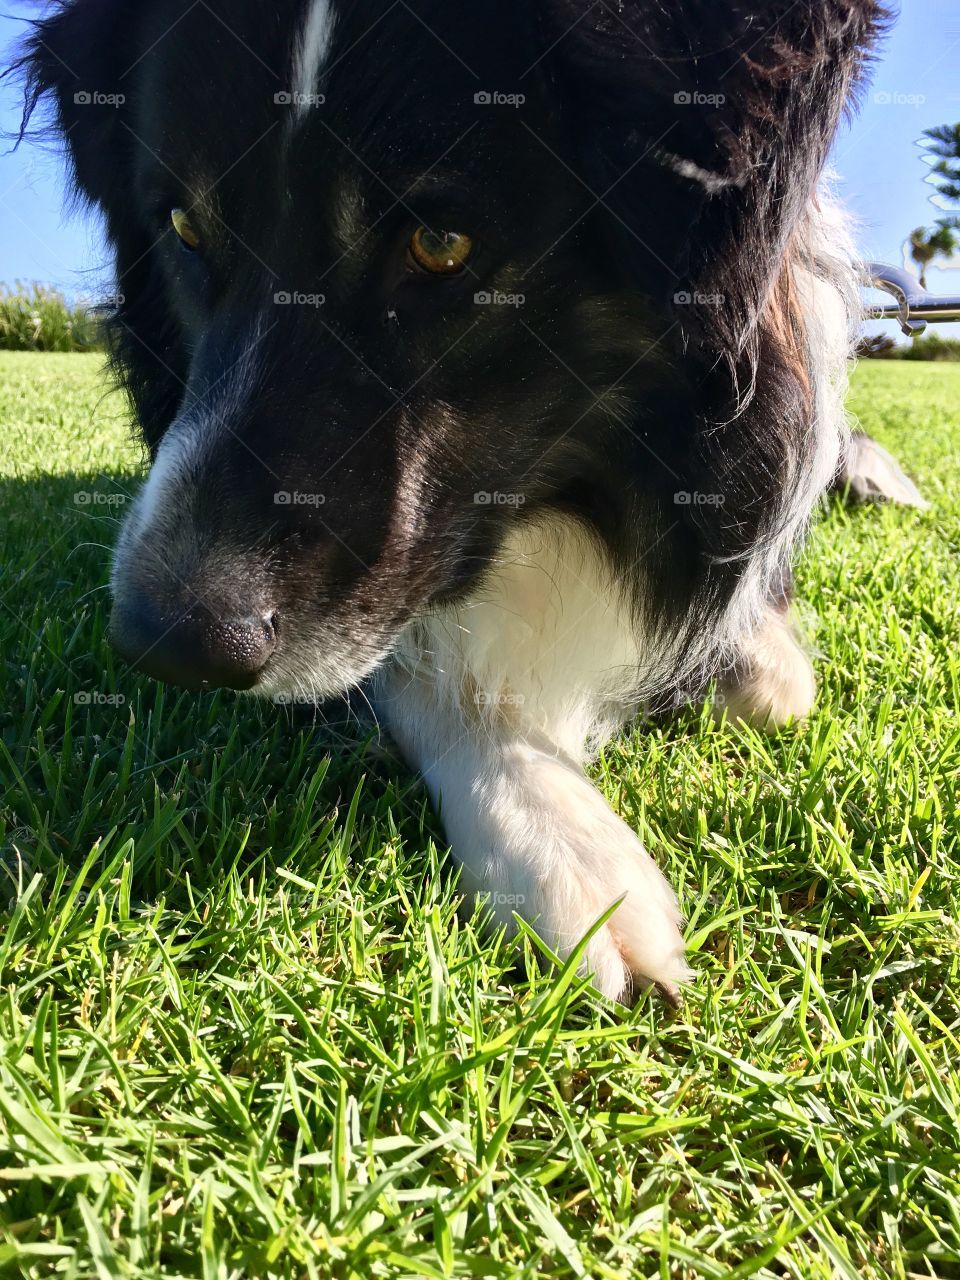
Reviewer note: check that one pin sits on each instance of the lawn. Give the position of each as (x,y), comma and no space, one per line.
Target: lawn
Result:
(243,1033)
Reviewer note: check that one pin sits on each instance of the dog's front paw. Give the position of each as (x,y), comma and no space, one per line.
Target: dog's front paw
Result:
(773,682)
(563,860)
(535,839)
(639,946)
(641,943)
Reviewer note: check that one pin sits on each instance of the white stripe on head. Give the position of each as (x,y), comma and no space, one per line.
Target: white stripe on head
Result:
(161,505)
(312,50)
(179,454)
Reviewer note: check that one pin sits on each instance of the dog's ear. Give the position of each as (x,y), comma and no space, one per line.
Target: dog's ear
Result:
(80,58)
(720,114)
(77,58)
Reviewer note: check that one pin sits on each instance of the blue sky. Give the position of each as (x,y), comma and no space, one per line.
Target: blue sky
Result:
(915,84)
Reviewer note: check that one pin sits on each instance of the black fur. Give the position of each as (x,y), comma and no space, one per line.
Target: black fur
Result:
(601,199)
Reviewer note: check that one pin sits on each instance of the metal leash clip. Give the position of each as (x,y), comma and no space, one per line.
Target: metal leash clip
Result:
(915,308)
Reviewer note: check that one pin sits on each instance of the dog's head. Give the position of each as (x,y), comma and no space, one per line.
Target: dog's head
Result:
(394,276)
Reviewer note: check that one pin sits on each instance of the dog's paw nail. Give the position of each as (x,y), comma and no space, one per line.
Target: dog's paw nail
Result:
(671,994)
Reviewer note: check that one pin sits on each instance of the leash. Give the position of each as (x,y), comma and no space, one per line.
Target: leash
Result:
(915,308)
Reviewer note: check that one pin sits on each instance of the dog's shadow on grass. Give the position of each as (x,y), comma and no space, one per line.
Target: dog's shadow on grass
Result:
(201,783)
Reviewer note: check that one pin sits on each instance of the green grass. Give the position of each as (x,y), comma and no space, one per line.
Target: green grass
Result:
(242,1032)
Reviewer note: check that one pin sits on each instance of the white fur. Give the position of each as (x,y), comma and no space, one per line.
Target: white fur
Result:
(547,639)
(495,703)
(312,50)
(179,449)
(152,534)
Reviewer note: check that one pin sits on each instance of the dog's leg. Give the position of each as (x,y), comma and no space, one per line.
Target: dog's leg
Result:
(773,680)
(497,702)
(870,474)
(533,836)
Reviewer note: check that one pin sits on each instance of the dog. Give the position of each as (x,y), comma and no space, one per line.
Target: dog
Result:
(491,357)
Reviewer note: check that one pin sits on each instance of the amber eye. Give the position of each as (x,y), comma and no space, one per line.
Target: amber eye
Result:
(442,253)
(184,228)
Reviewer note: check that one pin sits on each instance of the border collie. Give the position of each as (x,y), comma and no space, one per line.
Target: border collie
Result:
(489,355)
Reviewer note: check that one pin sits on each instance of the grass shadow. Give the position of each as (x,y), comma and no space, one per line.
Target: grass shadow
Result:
(201,783)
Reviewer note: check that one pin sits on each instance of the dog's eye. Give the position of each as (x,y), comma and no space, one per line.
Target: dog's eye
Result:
(442,253)
(184,229)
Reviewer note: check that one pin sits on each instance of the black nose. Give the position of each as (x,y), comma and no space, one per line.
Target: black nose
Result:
(194,646)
